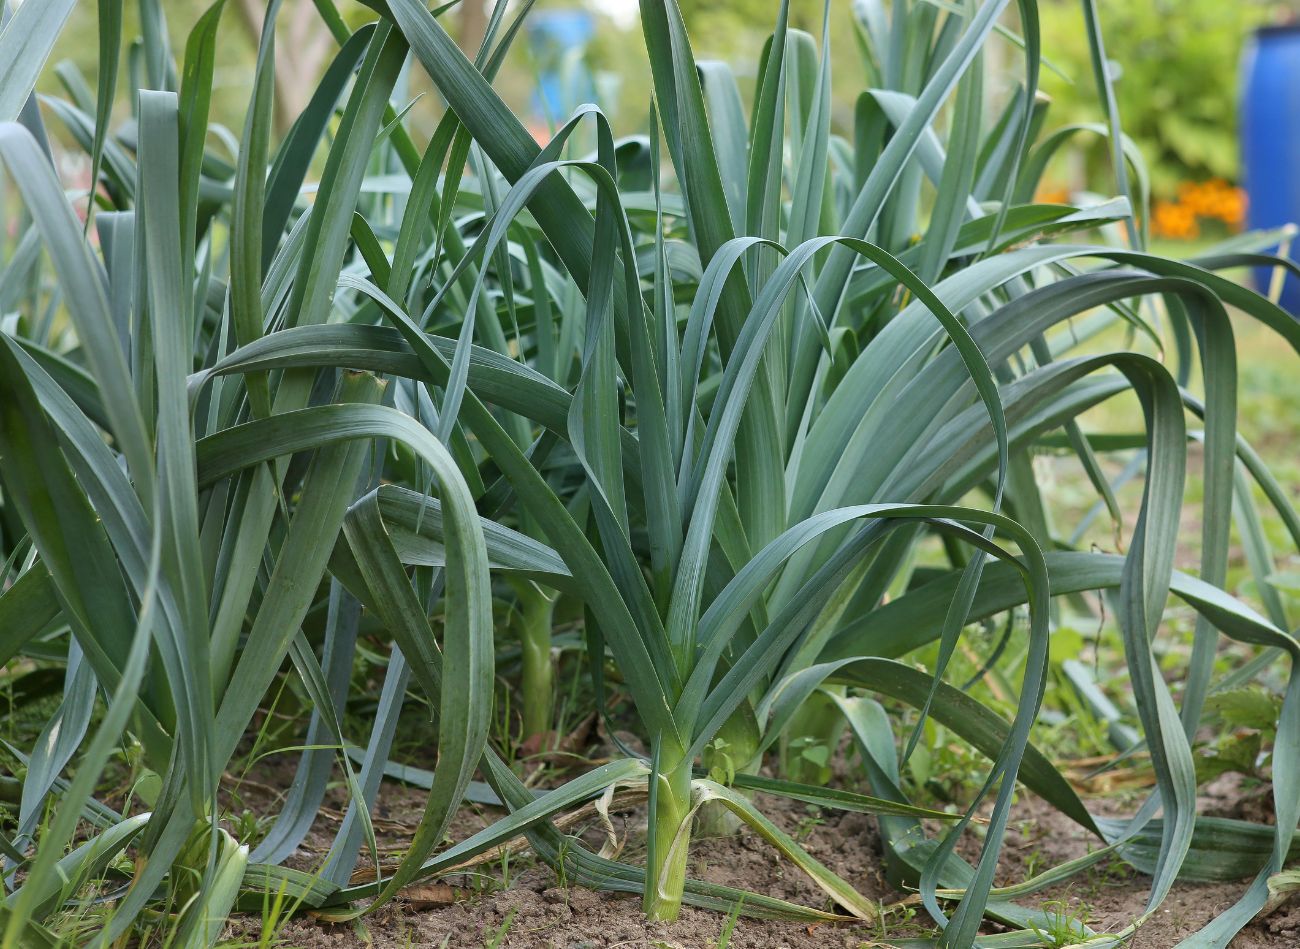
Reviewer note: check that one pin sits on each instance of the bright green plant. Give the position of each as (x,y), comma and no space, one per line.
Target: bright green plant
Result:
(1176,80)
(724,397)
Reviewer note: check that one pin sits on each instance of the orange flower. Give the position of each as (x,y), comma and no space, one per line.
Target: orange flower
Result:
(1213,199)
(1174,219)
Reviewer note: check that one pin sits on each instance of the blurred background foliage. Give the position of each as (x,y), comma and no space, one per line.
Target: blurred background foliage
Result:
(1178,86)
(1177,90)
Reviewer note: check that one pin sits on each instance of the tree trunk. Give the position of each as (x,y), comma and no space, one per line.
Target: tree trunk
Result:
(473,26)
(303,43)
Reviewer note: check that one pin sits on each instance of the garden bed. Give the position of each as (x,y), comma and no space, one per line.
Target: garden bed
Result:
(520,904)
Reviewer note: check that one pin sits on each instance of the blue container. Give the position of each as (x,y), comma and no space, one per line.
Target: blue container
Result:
(562,84)
(565,28)
(1270,138)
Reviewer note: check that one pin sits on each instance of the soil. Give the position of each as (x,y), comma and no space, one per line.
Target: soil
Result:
(1109,898)
(534,911)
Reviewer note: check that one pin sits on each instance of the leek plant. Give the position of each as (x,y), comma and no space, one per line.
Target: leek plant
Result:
(721,384)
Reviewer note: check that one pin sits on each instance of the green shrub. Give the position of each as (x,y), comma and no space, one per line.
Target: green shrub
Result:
(1177,67)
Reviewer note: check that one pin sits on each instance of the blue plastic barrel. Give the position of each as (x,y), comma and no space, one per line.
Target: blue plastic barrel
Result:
(562,86)
(1270,138)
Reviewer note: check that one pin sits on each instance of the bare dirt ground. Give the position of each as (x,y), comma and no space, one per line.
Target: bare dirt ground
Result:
(535,911)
